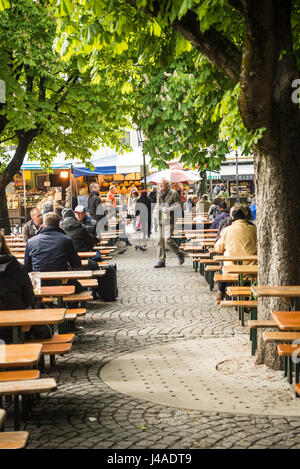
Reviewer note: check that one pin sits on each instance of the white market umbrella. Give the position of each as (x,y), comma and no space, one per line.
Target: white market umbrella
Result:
(173,175)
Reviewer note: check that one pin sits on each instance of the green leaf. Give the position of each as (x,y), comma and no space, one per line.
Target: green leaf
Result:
(4,4)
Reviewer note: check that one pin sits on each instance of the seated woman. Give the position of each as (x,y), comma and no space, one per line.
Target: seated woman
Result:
(16,291)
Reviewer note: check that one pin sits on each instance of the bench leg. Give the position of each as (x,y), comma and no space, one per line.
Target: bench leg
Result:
(25,408)
(285,366)
(16,412)
(297,369)
(254,341)
(52,360)
(290,370)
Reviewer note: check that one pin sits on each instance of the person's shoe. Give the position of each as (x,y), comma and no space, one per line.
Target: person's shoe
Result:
(78,329)
(159,264)
(181,259)
(128,243)
(220,297)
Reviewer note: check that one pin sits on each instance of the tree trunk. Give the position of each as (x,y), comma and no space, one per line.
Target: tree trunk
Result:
(4,220)
(203,184)
(278,223)
(10,171)
(268,69)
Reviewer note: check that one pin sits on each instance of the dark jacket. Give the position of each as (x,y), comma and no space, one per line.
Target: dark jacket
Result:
(153,198)
(30,230)
(95,206)
(51,250)
(78,233)
(90,224)
(221,216)
(16,290)
(143,209)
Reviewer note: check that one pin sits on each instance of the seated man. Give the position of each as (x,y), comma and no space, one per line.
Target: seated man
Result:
(83,241)
(85,219)
(33,226)
(223,213)
(51,250)
(238,239)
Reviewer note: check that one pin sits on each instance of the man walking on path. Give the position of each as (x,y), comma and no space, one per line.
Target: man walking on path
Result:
(168,202)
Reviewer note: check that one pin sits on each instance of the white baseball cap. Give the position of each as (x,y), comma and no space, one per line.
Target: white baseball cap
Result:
(80,209)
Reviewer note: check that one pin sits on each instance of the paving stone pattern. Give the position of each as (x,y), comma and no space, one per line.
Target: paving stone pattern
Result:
(155,306)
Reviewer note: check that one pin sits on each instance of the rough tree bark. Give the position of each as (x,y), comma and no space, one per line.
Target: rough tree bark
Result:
(266,101)
(14,166)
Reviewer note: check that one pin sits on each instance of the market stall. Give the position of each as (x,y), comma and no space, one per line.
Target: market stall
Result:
(123,171)
(33,185)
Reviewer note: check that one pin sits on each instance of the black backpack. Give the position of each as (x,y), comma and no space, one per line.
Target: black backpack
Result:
(108,287)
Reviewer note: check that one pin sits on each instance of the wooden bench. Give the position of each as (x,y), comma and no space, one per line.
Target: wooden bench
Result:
(80,297)
(238,291)
(241,306)
(297,389)
(55,339)
(76,297)
(20,375)
(287,351)
(52,350)
(89,283)
(209,271)
(13,440)
(24,388)
(238,304)
(255,324)
(286,337)
(77,311)
(226,278)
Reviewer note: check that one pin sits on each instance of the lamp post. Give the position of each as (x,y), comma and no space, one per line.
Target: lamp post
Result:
(237,177)
(141,144)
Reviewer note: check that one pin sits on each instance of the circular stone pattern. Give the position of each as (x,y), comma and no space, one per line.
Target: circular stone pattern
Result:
(186,374)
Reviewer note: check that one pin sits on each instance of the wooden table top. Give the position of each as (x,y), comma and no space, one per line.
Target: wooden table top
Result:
(61,290)
(236,258)
(280,291)
(241,269)
(287,320)
(66,275)
(31,317)
(101,264)
(19,355)
(86,254)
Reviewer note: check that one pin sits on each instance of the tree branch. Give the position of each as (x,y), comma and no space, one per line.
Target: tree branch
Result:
(237,5)
(213,45)
(9,138)
(24,139)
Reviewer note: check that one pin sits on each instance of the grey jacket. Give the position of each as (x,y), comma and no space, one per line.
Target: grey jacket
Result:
(30,230)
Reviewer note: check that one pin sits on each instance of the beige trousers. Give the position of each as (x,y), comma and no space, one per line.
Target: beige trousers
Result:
(165,240)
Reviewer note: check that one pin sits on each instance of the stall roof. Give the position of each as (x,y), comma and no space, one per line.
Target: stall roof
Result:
(245,171)
(113,164)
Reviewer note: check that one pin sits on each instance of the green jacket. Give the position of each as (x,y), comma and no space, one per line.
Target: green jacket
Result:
(170,199)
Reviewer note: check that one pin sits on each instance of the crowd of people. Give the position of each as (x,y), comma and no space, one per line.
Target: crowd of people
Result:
(55,234)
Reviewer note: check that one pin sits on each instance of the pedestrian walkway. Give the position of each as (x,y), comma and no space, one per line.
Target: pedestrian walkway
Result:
(166,311)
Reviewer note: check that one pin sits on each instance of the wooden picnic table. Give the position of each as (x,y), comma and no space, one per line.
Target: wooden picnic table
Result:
(241,269)
(236,258)
(57,291)
(29,317)
(287,320)
(19,355)
(289,293)
(71,274)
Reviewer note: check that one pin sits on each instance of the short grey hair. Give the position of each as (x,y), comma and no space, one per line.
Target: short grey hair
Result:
(51,219)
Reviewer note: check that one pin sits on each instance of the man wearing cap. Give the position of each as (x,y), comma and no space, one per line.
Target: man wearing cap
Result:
(168,202)
(85,219)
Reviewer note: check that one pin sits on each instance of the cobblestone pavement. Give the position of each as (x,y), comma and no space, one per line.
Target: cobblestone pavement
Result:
(155,306)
